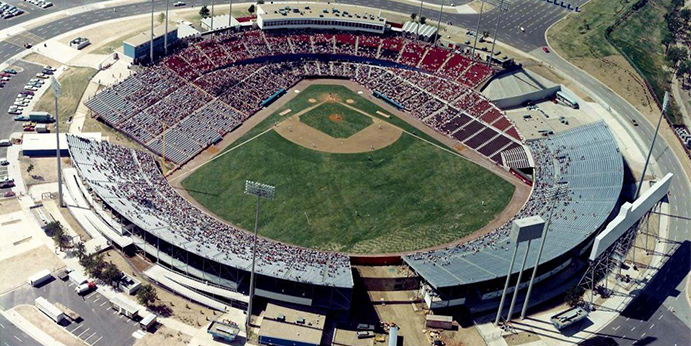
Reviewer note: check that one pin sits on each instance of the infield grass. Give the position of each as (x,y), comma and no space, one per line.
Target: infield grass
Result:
(336,120)
(409,195)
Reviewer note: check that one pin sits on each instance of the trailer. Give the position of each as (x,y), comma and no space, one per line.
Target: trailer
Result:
(49,309)
(40,277)
(124,307)
(568,317)
(147,322)
(78,278)
(73,316)
(439,322)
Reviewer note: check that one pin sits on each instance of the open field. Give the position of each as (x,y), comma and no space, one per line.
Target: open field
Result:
(18,268)
(74,82)
(408,195)
(581,39)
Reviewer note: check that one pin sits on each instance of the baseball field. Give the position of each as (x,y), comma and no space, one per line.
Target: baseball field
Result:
(350,177)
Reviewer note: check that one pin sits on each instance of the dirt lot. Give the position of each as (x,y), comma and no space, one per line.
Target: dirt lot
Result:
(47,325)
(44,170)
(41,60)
(16,270)
(168,303)
(615,72)
(164,336)
(521,338)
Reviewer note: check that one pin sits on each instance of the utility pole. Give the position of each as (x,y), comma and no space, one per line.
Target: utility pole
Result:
(477,30)
(496,31)
(441,9)
(419,22)
(665,102)
(230,14)
(212,14)
(165,35)
(261,191)
(151,41)
(57,91)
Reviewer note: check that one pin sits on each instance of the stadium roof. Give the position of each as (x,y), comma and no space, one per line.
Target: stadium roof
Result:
(594,180)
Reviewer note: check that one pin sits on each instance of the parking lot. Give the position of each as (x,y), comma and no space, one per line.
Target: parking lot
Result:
(99,323)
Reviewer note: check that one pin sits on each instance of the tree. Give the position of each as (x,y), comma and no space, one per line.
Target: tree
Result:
(573,295)
(676,54)
(423,20)
(80,250)
(161,17)
(30,168)
(668,40)
(413,16)
(146,295)
(685,15)
(111,274)
(204,11)
(251,9)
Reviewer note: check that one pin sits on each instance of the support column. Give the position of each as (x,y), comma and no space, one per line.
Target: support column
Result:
(518,282)
(506,286)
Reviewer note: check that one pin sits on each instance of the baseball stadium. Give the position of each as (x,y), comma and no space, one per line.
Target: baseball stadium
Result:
(381,149)
(401,172)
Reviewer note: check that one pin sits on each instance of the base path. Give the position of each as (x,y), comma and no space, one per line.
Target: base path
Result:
(374,137)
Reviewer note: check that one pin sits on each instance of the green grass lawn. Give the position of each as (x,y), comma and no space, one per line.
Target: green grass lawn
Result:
(349,122)
(406,196)
(639,36)
(74,81)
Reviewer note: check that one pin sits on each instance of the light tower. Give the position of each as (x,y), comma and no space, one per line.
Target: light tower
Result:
(261,191)
(57,91)
(522,231)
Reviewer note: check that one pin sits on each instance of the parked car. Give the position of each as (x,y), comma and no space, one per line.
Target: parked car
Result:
(179,4)
(545,49)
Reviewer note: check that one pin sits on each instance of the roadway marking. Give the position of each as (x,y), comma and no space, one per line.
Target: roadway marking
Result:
(659,318)
(86,330)
(104,303)
(99,339)
(651,327)
(79,326)
(3,327)
(6,344)
(617,328)
(90,336)
(20,340)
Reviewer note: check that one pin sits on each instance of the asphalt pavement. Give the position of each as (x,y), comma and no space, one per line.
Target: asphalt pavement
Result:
(11,335)
(649,319)
(680,190)
(25,72)
(99,324)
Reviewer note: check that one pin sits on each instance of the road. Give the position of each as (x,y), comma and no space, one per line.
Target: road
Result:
(680,190)
(535,16)
(11,335)
(649,319)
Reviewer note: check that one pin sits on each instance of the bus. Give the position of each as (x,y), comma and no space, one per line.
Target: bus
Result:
(567,100)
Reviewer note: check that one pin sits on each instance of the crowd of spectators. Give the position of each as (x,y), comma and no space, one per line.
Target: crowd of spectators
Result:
(151,102)
(132,175)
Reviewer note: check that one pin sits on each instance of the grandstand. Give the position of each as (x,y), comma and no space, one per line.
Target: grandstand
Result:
(208,88)
(587,163)
(169,229)
(220,81)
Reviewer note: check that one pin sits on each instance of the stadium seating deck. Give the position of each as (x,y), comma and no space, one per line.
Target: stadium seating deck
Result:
(584,160)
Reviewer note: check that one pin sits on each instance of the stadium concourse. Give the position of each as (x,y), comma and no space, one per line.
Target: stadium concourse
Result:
(211,85)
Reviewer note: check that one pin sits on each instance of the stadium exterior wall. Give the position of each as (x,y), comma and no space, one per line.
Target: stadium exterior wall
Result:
(217,274)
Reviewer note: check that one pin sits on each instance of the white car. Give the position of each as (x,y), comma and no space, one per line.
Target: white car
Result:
(179,4)
(14,111)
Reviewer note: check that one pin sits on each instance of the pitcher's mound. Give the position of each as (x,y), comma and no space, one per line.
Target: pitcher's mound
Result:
(312,101)
(335,118)
(350,101)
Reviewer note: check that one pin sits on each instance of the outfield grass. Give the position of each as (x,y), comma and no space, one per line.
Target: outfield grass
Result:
(349,122)
(74,81)
(406,196)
